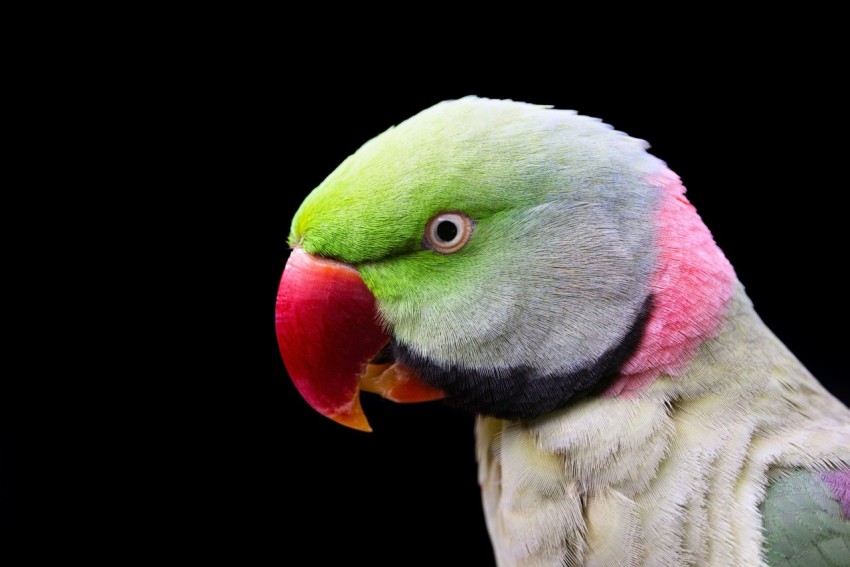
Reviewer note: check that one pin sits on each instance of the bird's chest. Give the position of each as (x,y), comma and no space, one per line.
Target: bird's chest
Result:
(636,484)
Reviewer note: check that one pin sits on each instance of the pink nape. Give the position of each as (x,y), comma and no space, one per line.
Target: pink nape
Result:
(692,285)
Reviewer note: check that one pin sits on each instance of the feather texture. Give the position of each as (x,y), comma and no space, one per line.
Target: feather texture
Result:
(804,524)
(676,474)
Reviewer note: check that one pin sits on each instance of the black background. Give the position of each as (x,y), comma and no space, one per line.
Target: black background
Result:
(758,163)
(226,458)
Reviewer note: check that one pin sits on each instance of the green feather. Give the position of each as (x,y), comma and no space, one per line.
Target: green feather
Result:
(803,523)
(481,156)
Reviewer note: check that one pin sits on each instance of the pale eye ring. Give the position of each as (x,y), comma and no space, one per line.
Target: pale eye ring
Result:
(448,232)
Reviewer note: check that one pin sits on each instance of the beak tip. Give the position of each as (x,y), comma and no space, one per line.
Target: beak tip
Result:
(359,423)
(354,417)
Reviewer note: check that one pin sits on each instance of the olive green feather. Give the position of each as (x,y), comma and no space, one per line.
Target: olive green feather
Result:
(803,523)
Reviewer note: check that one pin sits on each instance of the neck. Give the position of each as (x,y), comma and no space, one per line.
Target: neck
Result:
(691,288)
(696,450)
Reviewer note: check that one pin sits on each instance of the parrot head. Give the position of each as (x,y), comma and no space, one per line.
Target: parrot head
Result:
(504,256)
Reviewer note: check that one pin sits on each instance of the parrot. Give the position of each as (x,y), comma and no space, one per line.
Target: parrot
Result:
(544,271)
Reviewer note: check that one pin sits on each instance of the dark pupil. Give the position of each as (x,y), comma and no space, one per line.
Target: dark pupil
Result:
(446,231)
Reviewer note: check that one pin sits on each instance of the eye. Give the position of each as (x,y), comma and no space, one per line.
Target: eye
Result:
(448,232)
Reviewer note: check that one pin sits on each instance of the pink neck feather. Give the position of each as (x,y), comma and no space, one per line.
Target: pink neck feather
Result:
(692,285)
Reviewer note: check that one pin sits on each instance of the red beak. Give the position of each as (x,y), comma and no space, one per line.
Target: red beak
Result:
(328,331)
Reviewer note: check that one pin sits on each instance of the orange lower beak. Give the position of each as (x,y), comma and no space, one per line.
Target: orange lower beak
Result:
(398,383)
(328,332)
